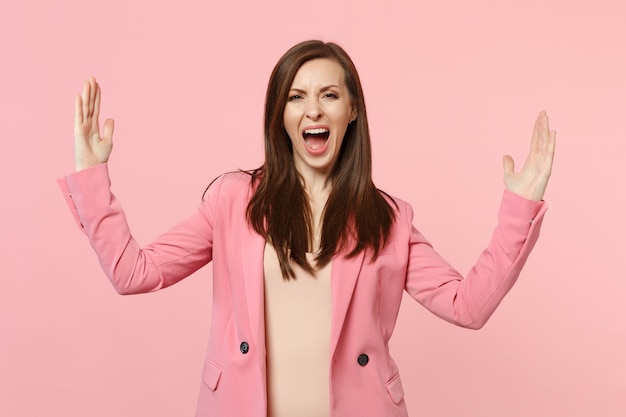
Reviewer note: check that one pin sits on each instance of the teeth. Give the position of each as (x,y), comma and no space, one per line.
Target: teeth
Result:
(315,131)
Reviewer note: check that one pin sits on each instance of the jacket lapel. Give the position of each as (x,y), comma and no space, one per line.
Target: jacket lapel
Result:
(253,246)
(343,277)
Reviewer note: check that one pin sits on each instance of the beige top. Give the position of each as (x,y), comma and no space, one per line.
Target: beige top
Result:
(297,331)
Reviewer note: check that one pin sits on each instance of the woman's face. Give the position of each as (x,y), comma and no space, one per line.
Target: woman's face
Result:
(317,115)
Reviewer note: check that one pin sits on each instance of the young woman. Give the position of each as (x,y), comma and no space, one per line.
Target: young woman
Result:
(309,259)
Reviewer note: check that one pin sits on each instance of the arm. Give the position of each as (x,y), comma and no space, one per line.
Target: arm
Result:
(131,269)
(470,302)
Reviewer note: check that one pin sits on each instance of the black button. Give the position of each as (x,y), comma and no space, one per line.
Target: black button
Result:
(244,347)
(363,359)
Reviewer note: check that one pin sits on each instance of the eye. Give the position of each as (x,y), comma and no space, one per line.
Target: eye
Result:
(295,97)
(331,95)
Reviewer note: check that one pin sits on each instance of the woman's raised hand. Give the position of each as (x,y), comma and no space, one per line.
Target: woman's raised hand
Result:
(532,180)
(89,147)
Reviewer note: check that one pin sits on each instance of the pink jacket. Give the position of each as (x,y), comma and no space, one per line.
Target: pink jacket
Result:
(364,379)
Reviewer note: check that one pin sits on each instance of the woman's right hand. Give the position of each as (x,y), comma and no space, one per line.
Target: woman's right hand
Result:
(89,147)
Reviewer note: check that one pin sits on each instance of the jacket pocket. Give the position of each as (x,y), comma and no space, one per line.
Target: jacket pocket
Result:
(395,390)
(211,374)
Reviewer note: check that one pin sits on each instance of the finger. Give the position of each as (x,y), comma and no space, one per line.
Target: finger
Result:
(96,105)
(85,100)
(535,143)
(545,130)
(508,164)
(551,146)
(78,111)
(107,129)
(92,94)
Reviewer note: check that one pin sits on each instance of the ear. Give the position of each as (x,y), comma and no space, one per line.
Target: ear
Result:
(353,115)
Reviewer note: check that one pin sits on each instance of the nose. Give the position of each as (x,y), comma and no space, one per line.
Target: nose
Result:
(313,110)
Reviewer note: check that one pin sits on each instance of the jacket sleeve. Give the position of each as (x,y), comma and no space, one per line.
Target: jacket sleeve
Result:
(131,269)
(470,302)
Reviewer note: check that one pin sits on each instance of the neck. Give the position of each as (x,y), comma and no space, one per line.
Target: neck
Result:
(316,184)
(317,187)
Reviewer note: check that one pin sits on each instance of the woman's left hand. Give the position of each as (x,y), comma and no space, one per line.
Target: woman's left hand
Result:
(532,180)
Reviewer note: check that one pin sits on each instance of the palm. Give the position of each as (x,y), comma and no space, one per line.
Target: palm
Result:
(89,147)
(532,180)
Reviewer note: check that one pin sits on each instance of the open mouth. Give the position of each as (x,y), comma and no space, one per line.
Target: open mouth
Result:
(316,138)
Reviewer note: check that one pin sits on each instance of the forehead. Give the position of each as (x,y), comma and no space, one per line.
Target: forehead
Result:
(319,72)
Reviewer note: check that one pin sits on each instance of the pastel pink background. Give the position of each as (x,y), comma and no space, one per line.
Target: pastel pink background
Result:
(451,86)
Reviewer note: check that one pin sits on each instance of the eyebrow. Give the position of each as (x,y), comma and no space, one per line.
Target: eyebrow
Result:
(325,88)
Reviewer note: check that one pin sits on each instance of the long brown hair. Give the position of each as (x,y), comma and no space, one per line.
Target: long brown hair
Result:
(356,217)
